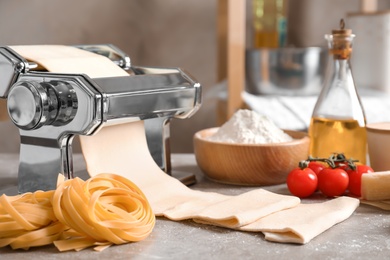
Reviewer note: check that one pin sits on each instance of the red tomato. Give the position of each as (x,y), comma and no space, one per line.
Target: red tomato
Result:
(302,183)
(333,182)
(355,178)
(316,167)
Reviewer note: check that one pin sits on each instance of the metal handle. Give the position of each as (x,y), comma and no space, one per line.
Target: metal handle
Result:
(110,51)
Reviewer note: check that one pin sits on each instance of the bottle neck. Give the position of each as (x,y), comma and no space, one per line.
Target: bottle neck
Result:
(343,72)
(339,98)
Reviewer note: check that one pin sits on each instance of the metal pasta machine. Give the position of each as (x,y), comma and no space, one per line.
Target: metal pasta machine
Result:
(51,108)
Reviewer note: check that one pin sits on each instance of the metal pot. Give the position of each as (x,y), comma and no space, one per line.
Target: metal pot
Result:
(285,71)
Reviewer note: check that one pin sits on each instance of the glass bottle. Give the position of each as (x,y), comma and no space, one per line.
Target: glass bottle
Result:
(338,121)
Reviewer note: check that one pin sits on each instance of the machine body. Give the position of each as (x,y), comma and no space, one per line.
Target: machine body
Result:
(50,108)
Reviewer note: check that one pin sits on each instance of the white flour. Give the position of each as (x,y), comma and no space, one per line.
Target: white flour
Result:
(249,127)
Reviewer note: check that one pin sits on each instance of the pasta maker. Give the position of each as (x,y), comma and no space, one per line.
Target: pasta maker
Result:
(50,108)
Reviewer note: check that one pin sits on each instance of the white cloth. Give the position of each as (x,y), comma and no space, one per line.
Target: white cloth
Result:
(294,112)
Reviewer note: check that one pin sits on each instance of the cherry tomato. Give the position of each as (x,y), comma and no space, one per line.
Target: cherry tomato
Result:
(355,178)
(302,182)
(316,167)
(333,182)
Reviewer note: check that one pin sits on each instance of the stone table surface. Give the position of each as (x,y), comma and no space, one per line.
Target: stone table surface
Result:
(365,235)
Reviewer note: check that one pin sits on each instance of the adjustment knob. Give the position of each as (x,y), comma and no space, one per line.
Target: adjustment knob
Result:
(25,104)
(32,104)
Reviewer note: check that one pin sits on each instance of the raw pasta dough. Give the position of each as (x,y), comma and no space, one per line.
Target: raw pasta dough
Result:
(293,226)
(257,210)
(67,59)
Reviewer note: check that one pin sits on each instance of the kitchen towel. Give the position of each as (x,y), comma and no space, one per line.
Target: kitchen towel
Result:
(122,149)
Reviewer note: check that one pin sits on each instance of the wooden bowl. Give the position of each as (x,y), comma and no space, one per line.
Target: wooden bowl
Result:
(249,164)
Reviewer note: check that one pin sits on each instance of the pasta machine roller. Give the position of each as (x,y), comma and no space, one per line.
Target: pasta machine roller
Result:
(50,108)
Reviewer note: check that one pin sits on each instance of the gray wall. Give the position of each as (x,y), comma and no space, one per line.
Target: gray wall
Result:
(154,33)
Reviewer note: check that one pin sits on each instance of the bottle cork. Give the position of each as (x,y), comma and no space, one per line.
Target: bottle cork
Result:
(342,30)
(342,42)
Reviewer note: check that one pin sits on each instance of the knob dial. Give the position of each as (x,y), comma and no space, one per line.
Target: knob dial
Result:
(34,104)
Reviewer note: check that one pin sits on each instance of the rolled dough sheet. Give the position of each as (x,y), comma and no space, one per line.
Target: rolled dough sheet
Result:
(304,222)
(168,196)
(67,59)
(122,149)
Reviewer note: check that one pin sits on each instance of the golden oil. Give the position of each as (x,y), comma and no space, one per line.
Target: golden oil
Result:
(329,136)
(268,39)
(269,23)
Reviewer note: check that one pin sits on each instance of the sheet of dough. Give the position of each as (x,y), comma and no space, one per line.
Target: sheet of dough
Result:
(67,59)
(122,149)
(168,196)
(304,222)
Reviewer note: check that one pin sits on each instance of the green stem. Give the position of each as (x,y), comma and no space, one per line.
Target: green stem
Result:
(331,161)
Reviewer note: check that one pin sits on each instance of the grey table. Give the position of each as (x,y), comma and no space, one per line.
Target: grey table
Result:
(365,235)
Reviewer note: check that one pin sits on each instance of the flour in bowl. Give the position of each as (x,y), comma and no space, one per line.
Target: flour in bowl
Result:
(249,127)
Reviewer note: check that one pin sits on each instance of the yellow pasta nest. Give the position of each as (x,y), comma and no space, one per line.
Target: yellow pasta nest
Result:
(104,210)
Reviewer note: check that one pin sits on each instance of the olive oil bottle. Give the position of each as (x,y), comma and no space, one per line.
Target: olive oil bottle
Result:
(338,120)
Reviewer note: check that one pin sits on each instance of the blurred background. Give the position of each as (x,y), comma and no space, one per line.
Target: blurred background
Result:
(168,33)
